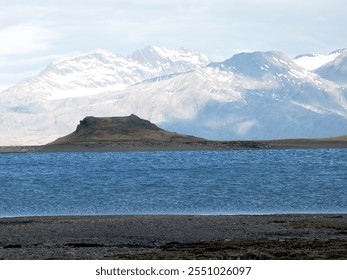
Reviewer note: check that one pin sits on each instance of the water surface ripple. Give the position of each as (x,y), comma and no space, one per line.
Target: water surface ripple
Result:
(206,182)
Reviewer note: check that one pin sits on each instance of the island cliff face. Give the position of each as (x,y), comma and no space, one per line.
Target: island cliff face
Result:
(113,130)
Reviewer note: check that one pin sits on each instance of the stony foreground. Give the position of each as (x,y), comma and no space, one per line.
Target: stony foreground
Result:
(175,237)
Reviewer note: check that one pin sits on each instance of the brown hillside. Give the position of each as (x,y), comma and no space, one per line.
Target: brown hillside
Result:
(93,130)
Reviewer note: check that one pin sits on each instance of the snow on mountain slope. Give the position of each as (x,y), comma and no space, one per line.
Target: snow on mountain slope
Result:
(335,70)
(261,95)
(280,100)
(80,75)
(98,71)
(314,61)
(224,105)
(237,103)
(258,64)
(165,61)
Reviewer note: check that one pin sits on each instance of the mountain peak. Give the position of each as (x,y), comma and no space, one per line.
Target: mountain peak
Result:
(257,64)
(183,60)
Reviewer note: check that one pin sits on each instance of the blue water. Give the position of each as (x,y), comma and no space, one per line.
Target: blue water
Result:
(207,182)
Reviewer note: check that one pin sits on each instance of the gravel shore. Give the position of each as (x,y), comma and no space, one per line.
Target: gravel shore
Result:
(313,236)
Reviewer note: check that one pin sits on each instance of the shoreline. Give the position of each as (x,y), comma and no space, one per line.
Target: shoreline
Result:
(272,236)
(167,146)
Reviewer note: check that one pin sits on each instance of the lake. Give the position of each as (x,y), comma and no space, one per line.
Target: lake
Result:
(182,182)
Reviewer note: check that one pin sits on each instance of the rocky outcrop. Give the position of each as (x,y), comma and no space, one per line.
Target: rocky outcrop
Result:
(112,130)
(116,125)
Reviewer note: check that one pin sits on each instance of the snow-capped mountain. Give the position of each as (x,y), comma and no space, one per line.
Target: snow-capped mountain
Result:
(258,64)
(314,61)
(99,71)
(260,95)
(165,62)
(335,70)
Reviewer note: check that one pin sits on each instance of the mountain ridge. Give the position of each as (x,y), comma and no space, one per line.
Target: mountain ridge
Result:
(259,95)
(99,70)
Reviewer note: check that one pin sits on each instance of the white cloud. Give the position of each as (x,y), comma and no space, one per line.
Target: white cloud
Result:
(23,51)
(20,39)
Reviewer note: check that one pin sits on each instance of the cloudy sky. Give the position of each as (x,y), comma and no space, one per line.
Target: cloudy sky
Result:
(33,33)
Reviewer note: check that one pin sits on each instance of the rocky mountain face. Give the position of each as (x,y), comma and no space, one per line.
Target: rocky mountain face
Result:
(259,95)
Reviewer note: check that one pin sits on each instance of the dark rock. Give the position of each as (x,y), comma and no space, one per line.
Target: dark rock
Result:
(112,130)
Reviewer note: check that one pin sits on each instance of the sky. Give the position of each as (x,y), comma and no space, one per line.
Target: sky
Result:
(33,33)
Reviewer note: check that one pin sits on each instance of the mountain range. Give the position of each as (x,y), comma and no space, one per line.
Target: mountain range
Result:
(258,95)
